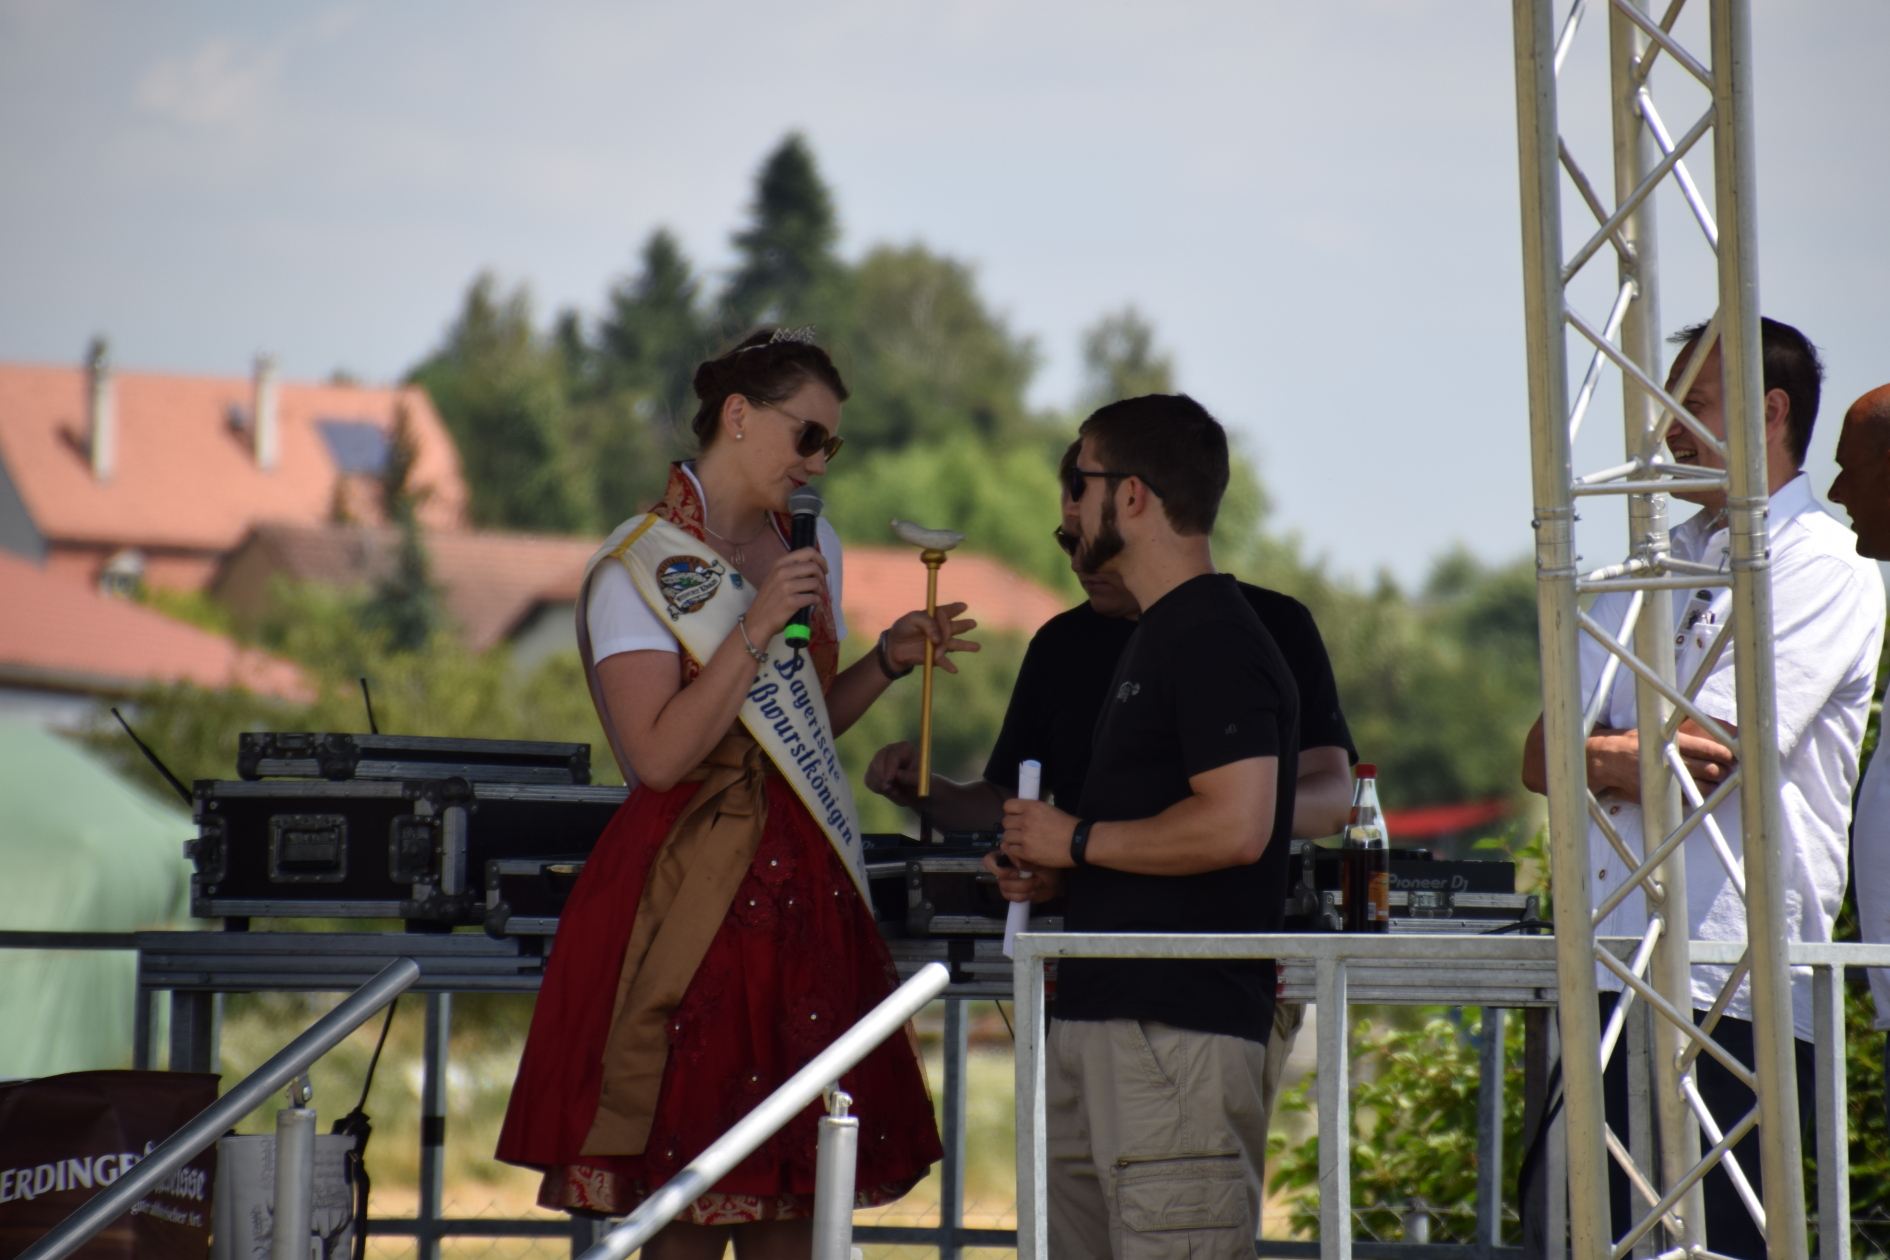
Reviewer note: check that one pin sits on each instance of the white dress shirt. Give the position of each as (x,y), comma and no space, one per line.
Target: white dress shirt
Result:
(1827,618)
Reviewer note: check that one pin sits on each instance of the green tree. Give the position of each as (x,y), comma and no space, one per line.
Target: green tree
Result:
(404,607)
(1003,499)
(1414,1091)
(654,333)
(500,388)
(928,358)
(788,267)
(1120,360)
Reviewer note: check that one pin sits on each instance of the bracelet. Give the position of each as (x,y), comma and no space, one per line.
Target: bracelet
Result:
(741,623)
(1079,843)
(885,660)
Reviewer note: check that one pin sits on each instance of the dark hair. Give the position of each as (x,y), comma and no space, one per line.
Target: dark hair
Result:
(1791,365)
(1168,440)
(761,368)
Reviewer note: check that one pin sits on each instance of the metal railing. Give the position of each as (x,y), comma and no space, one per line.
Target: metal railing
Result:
(248,1094)
(768,1116)
(1376,965)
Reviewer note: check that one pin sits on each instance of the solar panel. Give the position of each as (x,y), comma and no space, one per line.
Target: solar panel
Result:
(356,446)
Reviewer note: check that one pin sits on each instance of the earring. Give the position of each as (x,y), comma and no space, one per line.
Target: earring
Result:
(740,436)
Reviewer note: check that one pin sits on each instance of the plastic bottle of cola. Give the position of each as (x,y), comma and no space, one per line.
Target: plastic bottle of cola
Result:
(1367,858)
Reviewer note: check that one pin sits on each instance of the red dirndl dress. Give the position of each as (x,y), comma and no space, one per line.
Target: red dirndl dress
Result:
(797,960)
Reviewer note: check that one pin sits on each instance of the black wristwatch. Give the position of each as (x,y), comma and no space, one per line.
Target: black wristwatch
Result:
(1079,843)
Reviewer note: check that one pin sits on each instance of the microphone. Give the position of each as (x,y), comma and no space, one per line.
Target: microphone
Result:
(805,506)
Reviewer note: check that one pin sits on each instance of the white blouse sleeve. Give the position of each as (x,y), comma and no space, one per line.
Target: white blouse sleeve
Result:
(829,543)
(619,619)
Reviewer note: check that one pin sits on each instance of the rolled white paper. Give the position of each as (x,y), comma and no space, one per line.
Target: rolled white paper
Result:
(1029,788)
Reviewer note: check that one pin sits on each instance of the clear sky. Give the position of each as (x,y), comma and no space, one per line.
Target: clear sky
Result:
(1315,203)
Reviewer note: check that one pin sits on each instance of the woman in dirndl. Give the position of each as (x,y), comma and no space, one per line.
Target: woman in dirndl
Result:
(719,936)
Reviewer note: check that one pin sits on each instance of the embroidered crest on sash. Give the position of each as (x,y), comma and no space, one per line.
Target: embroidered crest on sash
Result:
(688,582)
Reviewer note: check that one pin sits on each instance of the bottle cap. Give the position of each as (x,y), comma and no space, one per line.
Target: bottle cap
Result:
(1365,770)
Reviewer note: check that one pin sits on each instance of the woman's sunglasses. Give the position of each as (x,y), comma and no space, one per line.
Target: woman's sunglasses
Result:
(1076,480)
(1066,540)
(813,436)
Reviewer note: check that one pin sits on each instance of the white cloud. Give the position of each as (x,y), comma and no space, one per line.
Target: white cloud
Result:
(222,86)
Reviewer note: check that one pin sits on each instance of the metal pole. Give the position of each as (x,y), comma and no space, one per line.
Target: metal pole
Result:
(1635,156)
(1834,1138)
(951,1172)
(773,1111)
(1765,839)
(836,1155)
(1335,1114)
(933,559)
(1490,1073)
(1557,612)
(433,1069)
(193,1028)
(1033,1204)
(292,1225)
(181,1147)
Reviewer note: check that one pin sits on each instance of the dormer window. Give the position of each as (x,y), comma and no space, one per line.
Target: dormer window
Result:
(123,574)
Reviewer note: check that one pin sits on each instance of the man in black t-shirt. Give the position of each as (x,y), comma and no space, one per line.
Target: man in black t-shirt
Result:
(1156,1123)
(1051,719)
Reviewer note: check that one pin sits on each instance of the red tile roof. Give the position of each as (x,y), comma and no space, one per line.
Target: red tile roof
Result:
(60,635)
(490,581)
(882,584)
(183,476)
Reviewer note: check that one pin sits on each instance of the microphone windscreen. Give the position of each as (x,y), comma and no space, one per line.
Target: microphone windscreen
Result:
(805,501)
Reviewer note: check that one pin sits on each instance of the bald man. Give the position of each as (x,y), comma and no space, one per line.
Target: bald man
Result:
(1863,488)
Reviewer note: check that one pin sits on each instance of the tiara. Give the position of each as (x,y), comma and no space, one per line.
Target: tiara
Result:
(802,336)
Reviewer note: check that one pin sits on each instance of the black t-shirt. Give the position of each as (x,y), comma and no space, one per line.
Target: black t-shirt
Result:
(1066,672)
(1200,685)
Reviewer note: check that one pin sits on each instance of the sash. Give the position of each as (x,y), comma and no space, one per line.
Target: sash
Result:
(698,597)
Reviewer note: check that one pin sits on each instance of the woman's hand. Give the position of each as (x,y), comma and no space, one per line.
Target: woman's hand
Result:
(905,644)
(793,584)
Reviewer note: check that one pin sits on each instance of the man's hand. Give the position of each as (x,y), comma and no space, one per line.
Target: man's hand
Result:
(1613,758)
(1037,835)
(894,774)
(1016,883)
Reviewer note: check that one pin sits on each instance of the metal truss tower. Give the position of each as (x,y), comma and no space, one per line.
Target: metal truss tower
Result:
(1665,1166)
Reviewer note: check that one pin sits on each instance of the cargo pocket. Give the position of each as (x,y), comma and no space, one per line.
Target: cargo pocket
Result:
(1189,1206)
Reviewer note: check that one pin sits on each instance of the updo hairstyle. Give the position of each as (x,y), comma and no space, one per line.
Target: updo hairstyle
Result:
(763,369)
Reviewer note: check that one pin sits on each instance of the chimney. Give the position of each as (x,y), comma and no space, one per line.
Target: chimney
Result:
(101,411)
(263,428)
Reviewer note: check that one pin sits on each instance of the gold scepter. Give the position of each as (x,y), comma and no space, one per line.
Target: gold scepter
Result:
(932,544)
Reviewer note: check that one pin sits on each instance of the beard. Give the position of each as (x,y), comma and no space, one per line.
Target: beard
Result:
(1094,553)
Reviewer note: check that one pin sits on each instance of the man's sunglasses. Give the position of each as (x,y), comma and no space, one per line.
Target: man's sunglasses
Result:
(1076,480)
(813,436)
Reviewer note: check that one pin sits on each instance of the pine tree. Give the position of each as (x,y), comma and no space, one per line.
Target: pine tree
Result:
(1120,360)
(789,267)
(501,391)
(654,333)
(404,606)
